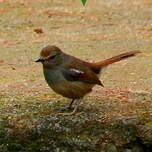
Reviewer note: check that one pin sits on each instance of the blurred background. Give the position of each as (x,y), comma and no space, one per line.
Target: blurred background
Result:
(97,31)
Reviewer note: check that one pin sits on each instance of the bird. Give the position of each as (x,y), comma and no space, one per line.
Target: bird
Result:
(72,77)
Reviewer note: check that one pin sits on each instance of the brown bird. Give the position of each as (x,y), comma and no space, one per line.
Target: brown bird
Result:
(72,77)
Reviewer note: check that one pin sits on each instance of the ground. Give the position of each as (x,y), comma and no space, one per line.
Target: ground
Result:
(116,118)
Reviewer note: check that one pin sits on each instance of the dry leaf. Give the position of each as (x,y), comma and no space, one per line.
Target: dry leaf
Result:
(39,30)
(56,13)
(1,61)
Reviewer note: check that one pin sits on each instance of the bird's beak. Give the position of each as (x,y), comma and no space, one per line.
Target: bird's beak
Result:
(39,60)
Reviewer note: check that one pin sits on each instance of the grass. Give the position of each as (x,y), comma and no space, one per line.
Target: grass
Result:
(95,32)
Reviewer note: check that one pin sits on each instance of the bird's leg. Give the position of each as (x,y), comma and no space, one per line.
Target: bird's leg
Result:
(75,108)
(70,105)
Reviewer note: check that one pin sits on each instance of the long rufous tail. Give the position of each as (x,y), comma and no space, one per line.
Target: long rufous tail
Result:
(96,67)
(117,58)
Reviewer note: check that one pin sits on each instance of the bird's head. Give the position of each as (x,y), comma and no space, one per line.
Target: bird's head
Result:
(50,56)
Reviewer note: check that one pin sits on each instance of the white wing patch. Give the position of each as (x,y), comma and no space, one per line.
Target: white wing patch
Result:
(77,71)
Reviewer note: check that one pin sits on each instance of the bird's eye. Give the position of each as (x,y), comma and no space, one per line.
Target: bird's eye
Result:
(52,57)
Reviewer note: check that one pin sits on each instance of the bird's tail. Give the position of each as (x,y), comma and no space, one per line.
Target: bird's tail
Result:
(116,58)
(96,67)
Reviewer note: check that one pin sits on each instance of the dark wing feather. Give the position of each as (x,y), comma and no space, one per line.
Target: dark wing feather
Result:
(72,74)
(78,71)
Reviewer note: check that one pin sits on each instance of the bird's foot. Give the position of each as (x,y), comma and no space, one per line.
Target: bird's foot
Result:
(70,114)
(74,112)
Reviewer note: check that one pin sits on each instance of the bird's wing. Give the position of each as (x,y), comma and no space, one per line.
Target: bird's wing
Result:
(77,71)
